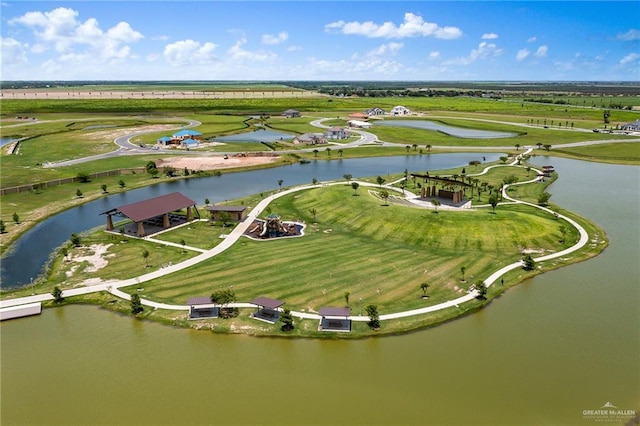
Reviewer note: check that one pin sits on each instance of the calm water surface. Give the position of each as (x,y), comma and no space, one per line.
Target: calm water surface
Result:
(561,343)
(256,136)
(459,132)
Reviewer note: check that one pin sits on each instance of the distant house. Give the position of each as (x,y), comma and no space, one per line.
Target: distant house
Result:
(165,140)
(189,143)
(186,134)
(310,139)
(358,124)
(358,116)
(375,111)
(291,113)
(631,127)
(400,110)
(336,132)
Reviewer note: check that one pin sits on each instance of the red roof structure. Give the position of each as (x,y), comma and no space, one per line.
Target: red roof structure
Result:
(153,207)
(267,303)
(334,312)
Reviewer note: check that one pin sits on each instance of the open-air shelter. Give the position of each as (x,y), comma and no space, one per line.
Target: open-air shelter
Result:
(154,213)
(335,319)
(202,307)
(451,189)
(236,213)
(267,309)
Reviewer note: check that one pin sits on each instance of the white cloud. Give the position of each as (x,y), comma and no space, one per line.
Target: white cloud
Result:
(412,26)
(13,52)
(541,52)
(485,50)
(185,52)
(239,54)
(532,39)
(61,29)
(522,54)
(275,39)
(630,35)
(629,59)
(434,55)
(294,48)
(489,36)
(389,48)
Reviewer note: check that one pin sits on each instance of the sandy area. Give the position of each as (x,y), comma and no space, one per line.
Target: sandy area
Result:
(111,134)
(96,258)
(213,163)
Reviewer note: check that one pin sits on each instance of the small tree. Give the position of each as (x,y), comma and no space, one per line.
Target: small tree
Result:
(64,252)
(280,182)
(57,295)
(463,269)
(355,186)
(547,147)
(206,201)
(493,201)
(504,159)
(183,243)
(154,172)
(481,288)
(83,177)
(79,193)
(346,298)
(314,181)
(150,165)
(186,172)
(528,264)
(76,240)
(145,256)
(136,304)
(104,188)
(384,194)
(121,184)
(223,298)
(563,231)
(543,199)
(328,152)
(315,152)
(313,211)
(428,147)
(3,227)
(380,180)
(424,287)
(435,203)
(347,177)
(16,218)
(341,152)
(374,317)
(225,217)
(287,321)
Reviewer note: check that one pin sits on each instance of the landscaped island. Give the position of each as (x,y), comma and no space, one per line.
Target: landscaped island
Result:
(385,253)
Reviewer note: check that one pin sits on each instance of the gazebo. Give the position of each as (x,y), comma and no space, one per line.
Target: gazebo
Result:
(335,319)
(236,213)
(154,212)
(202,307)
(267,309)
(453,194)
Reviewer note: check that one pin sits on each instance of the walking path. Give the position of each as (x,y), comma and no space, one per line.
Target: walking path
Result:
(115,286)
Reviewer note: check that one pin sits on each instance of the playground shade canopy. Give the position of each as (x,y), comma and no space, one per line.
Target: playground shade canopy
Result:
(153,207)
(334,312)
(268,303)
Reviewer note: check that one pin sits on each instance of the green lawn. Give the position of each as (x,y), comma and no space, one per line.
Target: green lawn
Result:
(378,253)
(203,235)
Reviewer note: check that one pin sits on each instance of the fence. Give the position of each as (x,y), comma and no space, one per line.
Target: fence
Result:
(56,182)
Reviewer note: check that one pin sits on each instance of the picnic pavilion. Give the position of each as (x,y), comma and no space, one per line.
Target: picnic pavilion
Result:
(155,214)
(236,213)
(267,309)
(202,307)
(335,319)
(450,189)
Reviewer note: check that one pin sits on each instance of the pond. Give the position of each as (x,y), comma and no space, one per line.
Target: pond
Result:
(255,136)
(32,250)
(547,350)
(459,132)
(5,141)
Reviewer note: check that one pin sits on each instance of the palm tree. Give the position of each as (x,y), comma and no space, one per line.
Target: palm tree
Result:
(280,181)
(517,146)
(435,204)
(547,147)
(493,200)
(340,152)
(313,211)
(415,146)
(407,148)
(539,145)
(428,147)
(347,177)
(328,151)
(315,152)
(355,186)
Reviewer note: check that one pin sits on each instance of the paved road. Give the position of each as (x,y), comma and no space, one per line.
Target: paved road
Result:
(238,231)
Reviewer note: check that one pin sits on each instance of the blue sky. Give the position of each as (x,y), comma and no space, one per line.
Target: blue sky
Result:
(320,40)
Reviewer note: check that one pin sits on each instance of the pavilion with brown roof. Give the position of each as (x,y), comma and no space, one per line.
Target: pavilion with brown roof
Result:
(453,193)
(267,309)
(202,307)
(335,319)
(154,212)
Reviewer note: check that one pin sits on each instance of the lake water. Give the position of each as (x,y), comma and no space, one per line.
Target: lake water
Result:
(459,132)
(256,136)
(32,250)
(5,141)
(554,346)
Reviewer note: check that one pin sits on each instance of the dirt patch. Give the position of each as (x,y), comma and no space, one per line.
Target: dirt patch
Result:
(94,255)
(213,163)
(116,133)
